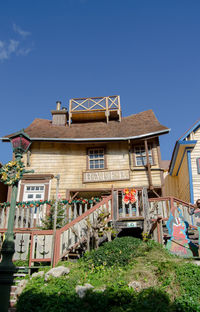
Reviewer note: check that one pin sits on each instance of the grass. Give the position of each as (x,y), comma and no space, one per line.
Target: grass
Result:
(168,283)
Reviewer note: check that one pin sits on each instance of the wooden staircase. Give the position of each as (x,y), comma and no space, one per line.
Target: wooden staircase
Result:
(71,239)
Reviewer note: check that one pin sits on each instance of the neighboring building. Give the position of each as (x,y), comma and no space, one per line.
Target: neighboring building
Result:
(183,180)
(94,149)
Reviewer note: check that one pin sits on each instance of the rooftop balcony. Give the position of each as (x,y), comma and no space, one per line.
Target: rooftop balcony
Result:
(95,109)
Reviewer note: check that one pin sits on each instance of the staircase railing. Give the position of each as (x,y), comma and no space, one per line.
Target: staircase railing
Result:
(163,206)
(30,216)
(40,241)
(76,231)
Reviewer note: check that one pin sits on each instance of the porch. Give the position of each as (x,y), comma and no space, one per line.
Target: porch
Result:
(148,215)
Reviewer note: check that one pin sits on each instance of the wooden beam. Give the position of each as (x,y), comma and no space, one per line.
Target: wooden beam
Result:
(148,166)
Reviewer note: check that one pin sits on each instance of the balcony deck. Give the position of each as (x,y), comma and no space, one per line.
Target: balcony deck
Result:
(94,109)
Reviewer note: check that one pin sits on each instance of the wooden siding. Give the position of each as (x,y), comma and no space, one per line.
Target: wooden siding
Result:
(70,161)
(178,186)
(170,185)
(195,176)
(183,181)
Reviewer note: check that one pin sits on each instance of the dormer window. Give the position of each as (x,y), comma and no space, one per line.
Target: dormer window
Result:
(96,158)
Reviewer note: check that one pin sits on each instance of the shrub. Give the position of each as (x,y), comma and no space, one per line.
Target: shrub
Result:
(120,251)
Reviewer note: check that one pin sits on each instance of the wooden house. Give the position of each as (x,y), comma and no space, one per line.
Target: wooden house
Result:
(183,180)
(98,154)
(94,149)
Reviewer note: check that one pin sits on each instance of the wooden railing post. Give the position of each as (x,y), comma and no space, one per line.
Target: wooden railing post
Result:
(115,205)
(172,205)
(146,211)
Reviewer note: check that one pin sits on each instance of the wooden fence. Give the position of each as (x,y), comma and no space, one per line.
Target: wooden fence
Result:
(39,242)
(27,217)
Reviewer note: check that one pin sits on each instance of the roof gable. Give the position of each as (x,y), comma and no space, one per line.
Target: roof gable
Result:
(194,128)
(182,145)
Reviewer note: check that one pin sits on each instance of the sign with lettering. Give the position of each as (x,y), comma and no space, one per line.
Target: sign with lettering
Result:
(104,176)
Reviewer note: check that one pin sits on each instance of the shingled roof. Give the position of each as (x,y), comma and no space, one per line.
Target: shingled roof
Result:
(143,124)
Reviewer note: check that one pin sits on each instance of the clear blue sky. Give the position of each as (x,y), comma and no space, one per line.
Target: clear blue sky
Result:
(147,51)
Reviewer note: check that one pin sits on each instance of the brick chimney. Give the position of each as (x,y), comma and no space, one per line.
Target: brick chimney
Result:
(59,116)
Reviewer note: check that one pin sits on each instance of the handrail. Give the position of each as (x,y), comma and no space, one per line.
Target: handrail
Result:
(79,222)
(95,103)
(169,198)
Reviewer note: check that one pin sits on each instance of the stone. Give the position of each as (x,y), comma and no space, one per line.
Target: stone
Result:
(57,272)
(135,285)
(102,289)
(37,274)
(20,287)
(81,290)
(197,262)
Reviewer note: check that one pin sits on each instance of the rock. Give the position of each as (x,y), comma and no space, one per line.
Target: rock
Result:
(197,262)
(135,285)
(20,287)
(57,272)
(81,290)
(102,289)
(37,274)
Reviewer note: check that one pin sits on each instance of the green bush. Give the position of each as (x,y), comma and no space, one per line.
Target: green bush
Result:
(116,298)
(120,251)
(188,279)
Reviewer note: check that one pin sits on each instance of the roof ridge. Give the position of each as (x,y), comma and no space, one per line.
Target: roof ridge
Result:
(187,132)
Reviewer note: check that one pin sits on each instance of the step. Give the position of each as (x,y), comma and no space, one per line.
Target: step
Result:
(13,288)
(12,302)
(20,275)
(12,309)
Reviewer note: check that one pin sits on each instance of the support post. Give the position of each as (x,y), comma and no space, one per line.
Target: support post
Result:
(146,211)
(148,166)
(55,221)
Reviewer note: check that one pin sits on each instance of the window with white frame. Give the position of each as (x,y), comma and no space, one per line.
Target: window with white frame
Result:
(96,158)
(33,192)
(140,156)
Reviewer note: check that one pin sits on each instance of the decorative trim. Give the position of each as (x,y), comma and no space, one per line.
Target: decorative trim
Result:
(193,128)
(37,176)
(176,150)
(190,176)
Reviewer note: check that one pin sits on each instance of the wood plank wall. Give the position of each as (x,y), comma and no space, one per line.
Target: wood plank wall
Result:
(70,161)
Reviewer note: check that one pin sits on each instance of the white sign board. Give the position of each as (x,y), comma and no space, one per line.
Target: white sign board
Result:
(104,176)
(131,224)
